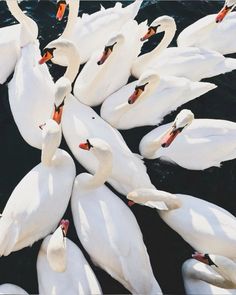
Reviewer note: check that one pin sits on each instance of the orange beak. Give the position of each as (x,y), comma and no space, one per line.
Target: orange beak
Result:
(135,96)
(169,138)
(46,57)
(222,14)
(84,146)
(105,55)
(64,226)
(149,34)
(61,10)
(58,114)
(200,257)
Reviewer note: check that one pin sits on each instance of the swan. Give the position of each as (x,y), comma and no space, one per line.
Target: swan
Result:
(201,279)
(11,39)
(31,90)
(107,228)
(40,199)
(153,98)
(105,73)
(189,62)
(208,228)
(227,8)
(91,32)
(207,33)
(205,143)
(80,122)
(11,289)
(62,268)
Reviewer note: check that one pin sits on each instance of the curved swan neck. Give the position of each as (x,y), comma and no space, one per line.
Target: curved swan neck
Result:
(155,145)
(30,27)
(73,63)
(165,42)
(103,172)
(210,278)
(72,18)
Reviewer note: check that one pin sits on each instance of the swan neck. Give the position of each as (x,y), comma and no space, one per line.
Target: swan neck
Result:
(210,278)
(155,145)
(172,201)
(73,64)
(102,174)
(165,42)
(49,147)
(30,28)
(72,18)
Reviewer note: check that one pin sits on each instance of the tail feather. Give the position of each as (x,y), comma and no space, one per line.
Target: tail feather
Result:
(9,232)
(135,6)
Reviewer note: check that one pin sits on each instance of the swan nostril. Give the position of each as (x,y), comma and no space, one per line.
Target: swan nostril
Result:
(99,63)
(164,145)
(130,101)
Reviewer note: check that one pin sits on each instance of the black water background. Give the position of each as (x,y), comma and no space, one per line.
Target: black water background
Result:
(166,249)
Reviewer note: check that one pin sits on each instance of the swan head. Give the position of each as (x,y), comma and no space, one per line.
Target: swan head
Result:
(51,135)
(61,8)
(159,25)
(63,89)
(227,8)
(153,198)
(57,48)
(221,264)
(99,147)
(182,120)
(56,249)
(110,47)
(145,86)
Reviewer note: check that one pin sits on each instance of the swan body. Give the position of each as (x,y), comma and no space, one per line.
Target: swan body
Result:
(107,228)
(196,276)
(189,62)
(13,38)
(205,143)
(11,289)
(208,228)
(31,90)
(91,32)
(9,50)
(160,96)
(97,81)
(206,33)
(76,277)
(80,122)
(31,95)
(40,198)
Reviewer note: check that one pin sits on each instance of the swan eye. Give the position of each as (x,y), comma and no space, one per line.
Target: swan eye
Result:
(210,262)
(153,28)
(89,144)
(42,125)
(110,47)
(141,87)
(49,51)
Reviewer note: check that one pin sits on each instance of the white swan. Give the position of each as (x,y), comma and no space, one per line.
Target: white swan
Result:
(227,8)
(31,90)
(153,98)
(91,32)
(205,143)
(206,227)
(80,122)
(189,62)
(11,39)
(11,289)
(62,267)
(201,279)
(40,199)
(206,33)
(107,228)
(105,73)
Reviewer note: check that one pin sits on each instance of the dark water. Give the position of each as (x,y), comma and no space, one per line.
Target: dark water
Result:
(166,249)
